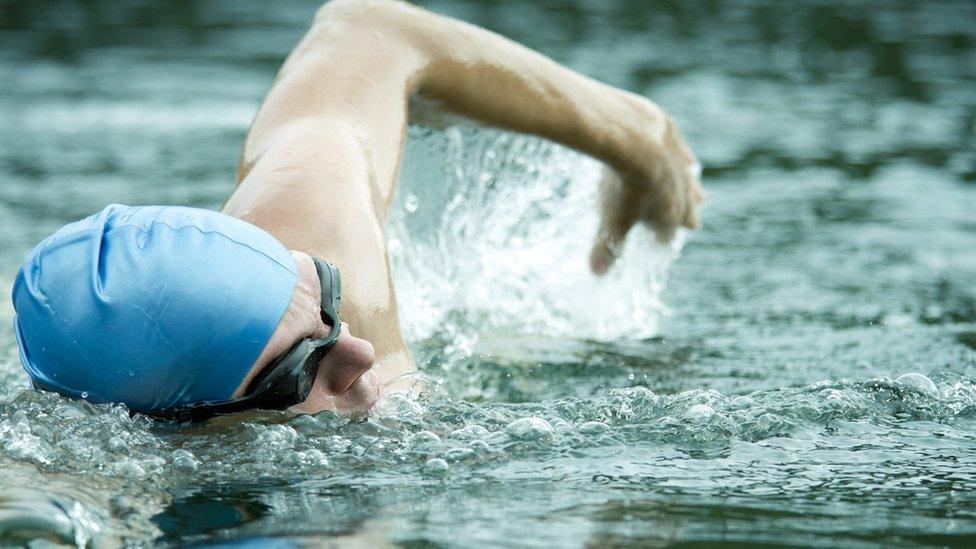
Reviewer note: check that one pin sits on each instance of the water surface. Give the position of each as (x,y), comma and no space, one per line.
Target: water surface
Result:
(799,371)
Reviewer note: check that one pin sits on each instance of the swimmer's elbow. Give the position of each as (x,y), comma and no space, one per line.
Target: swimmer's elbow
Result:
(394,20)
(342,8)
(364,12)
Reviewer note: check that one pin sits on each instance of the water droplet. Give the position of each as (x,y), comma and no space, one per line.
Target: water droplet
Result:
(412,203)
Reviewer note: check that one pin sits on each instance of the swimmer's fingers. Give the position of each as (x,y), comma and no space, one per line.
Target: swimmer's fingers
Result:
(620,209)
(665,197)
(679,208)
(675,190)
(667,204)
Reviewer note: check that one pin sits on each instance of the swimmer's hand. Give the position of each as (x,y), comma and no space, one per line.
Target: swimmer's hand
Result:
(662,190)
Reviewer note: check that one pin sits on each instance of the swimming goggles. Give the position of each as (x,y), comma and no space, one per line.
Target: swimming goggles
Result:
(289,378)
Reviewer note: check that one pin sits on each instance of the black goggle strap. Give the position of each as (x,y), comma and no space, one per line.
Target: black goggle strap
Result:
(200,411)
(255,397)
(304,353)
(331,291)
(331,284)
(280,366)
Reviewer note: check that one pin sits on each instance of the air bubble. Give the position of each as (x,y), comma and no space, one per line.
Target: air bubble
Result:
(593,428)
(425,441)
(130,469)
(740,403)
(184,461)
(436,467)
(469,432)
(699,412)
(529,428)
(919,382)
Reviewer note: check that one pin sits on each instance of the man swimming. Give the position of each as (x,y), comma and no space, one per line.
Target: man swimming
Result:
(185,314)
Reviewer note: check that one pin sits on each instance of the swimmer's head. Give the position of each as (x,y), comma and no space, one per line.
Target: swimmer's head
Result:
(152,307)
(345,381)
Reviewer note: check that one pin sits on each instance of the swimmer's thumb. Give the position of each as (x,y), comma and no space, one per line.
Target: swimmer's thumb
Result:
(604,253)
(620,208)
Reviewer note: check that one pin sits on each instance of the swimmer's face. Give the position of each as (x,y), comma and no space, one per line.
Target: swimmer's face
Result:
(346,381)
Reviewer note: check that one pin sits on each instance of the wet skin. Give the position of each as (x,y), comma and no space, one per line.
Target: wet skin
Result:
(346,381)
(319,165)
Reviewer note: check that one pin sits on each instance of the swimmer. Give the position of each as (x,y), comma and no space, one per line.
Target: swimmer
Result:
(284,300)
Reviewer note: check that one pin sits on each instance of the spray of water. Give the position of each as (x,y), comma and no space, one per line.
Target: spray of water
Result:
(490,232)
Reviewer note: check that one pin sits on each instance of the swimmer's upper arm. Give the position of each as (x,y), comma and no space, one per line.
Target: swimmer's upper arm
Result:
(303,164)
(352,68)
(312,189)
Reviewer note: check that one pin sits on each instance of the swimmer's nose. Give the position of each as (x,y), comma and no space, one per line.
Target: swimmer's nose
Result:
(347,361)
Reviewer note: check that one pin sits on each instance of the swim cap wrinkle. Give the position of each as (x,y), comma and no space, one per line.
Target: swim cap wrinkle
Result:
(153,306)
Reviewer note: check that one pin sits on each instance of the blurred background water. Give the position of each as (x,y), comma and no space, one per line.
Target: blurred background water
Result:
(800,371)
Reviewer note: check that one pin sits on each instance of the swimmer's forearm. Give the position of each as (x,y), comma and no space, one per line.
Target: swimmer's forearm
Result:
(489,78)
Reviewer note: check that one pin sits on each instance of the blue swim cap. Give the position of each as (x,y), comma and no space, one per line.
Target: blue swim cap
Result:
(152,307)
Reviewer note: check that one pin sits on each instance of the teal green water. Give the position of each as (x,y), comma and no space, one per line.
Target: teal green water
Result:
(802,371)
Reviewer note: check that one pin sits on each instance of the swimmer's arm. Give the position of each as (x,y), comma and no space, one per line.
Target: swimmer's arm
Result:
(361,61)
(651,175)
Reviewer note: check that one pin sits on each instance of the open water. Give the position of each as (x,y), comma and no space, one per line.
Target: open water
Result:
(802,371)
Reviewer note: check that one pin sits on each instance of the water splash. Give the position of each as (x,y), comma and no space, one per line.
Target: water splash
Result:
(27,515)
(62,436)
(490,232)
(119,470)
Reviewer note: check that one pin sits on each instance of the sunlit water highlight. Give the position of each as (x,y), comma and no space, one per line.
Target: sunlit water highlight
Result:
(800,371)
